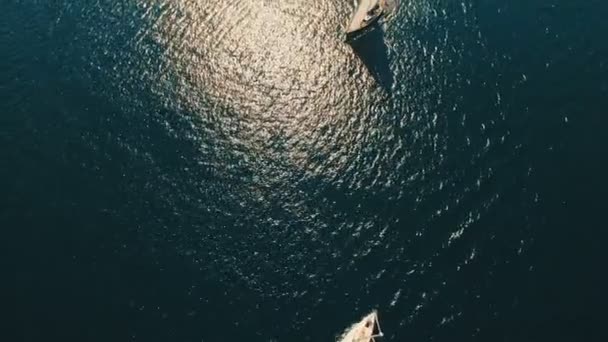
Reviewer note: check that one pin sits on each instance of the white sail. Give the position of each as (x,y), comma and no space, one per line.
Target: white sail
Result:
(368,12)
(358,21)
(366,330)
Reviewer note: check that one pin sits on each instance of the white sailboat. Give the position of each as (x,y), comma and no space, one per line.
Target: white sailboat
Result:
(366,330)
(368,12)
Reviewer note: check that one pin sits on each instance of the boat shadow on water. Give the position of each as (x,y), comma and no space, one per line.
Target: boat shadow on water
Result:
(373,52)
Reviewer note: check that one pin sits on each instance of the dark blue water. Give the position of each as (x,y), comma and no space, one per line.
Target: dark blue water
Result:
(233,171)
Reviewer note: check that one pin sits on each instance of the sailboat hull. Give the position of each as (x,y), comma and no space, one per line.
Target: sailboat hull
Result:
(372,24)
(366,16)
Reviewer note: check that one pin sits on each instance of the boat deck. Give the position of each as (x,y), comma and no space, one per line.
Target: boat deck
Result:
(357,22)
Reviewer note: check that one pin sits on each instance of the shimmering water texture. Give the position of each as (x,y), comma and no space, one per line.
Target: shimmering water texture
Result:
(297,182)
(306,187)
(302,187)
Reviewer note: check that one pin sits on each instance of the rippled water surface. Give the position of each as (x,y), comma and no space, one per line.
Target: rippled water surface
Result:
(234,171)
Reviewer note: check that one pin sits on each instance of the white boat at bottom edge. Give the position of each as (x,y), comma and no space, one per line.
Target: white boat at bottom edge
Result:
(365,330)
